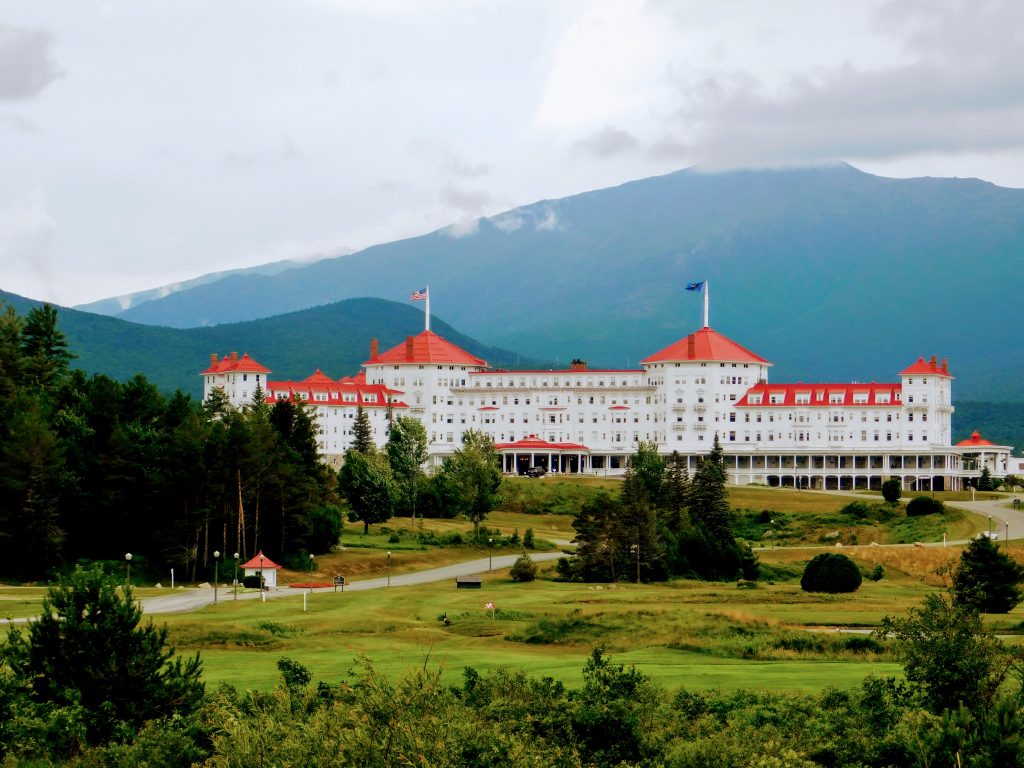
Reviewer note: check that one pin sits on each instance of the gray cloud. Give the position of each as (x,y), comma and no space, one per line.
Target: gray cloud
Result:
(27,64)
(454,165)
(961,89)
(607,142)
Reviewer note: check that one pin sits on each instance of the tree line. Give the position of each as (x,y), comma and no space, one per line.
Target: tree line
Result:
(92,468)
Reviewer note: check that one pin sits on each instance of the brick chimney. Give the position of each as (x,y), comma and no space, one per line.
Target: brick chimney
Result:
(691,347)
(945,365)
(578,365)
(213,359)
(374,346)
(934,363)
(408,347)
(234,358)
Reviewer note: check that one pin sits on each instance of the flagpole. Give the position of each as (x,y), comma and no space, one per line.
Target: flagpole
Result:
(426,312)
(707,290)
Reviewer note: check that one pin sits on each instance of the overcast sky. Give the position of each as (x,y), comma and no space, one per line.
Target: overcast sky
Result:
(143,143)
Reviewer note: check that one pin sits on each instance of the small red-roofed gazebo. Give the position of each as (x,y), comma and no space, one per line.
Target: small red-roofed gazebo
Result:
(262,564)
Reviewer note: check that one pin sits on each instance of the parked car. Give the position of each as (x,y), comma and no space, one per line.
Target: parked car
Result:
(536,472)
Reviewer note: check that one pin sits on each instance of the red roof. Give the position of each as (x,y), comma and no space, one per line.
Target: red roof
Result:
(335,391)
(318,379)
(705,345)
(534,443)
(821,395)
(931,367)
(262,561)
(975,440)
(234,364)
(427,347)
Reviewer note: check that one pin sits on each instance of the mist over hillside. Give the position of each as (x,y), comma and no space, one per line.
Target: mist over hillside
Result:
(830,273)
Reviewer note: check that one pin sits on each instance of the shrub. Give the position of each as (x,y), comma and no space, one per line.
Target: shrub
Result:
(528,542)
(891,489)
(831,572)
(924,505)
(859,509)
(877,573)
(524,569)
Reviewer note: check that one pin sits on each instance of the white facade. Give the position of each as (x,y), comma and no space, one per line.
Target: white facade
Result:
(848,435)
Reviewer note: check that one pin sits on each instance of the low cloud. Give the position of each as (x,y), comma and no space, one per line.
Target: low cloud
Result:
(550,221)
(18,123)
(607,142)
(462,228)
(27,63)
(508,222)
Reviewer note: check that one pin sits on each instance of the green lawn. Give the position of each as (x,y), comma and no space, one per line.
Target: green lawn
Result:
(685,633)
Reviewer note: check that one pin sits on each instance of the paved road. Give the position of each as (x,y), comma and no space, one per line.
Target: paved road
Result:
(190,600)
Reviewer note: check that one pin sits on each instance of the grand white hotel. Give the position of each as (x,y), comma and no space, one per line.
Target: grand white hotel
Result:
(579,420)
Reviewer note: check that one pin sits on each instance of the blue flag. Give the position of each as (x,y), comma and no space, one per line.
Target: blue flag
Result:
(694,286)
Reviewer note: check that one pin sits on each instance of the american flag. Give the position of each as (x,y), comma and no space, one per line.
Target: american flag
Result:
(420,295)
(489,606)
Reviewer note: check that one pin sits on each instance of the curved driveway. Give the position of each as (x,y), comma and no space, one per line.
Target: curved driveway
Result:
(192,599)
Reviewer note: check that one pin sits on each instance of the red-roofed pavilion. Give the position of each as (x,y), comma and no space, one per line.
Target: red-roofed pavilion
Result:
(532,451)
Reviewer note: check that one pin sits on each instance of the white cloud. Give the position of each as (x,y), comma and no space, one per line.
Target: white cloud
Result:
(508,222)
(27,231)
(549,222)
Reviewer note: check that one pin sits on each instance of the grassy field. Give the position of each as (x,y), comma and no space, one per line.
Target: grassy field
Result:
(682,633)
(685,633)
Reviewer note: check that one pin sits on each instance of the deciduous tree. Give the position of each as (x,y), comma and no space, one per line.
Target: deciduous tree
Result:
(986,579)
(475,476)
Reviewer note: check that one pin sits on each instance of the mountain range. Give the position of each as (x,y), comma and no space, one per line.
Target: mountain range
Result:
(831,273)
(334,337)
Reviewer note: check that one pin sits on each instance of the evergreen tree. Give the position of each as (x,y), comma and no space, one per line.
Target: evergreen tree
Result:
(87,657)
(987,580)
(709,504)
(362,434)
(637,527)
(597,538)
(985,480)
(44,346)
(677,492)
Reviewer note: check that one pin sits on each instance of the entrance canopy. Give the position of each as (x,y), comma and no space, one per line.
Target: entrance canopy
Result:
(533,451)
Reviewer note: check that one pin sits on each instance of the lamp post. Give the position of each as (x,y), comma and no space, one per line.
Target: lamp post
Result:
(311,574)
(389,567)
(216,573)
(128,561)
(263,589)
(490,554)
(236,576)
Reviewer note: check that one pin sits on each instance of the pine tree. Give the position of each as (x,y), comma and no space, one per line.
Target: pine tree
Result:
(362,434)
(45,347)
(637,528)
(677,492)
(709,505)
(87,656)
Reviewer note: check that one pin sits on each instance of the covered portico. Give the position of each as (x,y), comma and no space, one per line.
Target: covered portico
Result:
(532,451)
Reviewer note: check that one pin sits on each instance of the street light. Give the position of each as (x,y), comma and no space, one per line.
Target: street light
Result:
(389,567)
(236,576)
(311,573)
(128,560)
(490,554)
(263,590)
(216,573)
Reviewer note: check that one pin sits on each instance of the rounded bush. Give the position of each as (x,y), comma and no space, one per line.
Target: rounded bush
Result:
(831,572)
(524,569)
(924,505)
